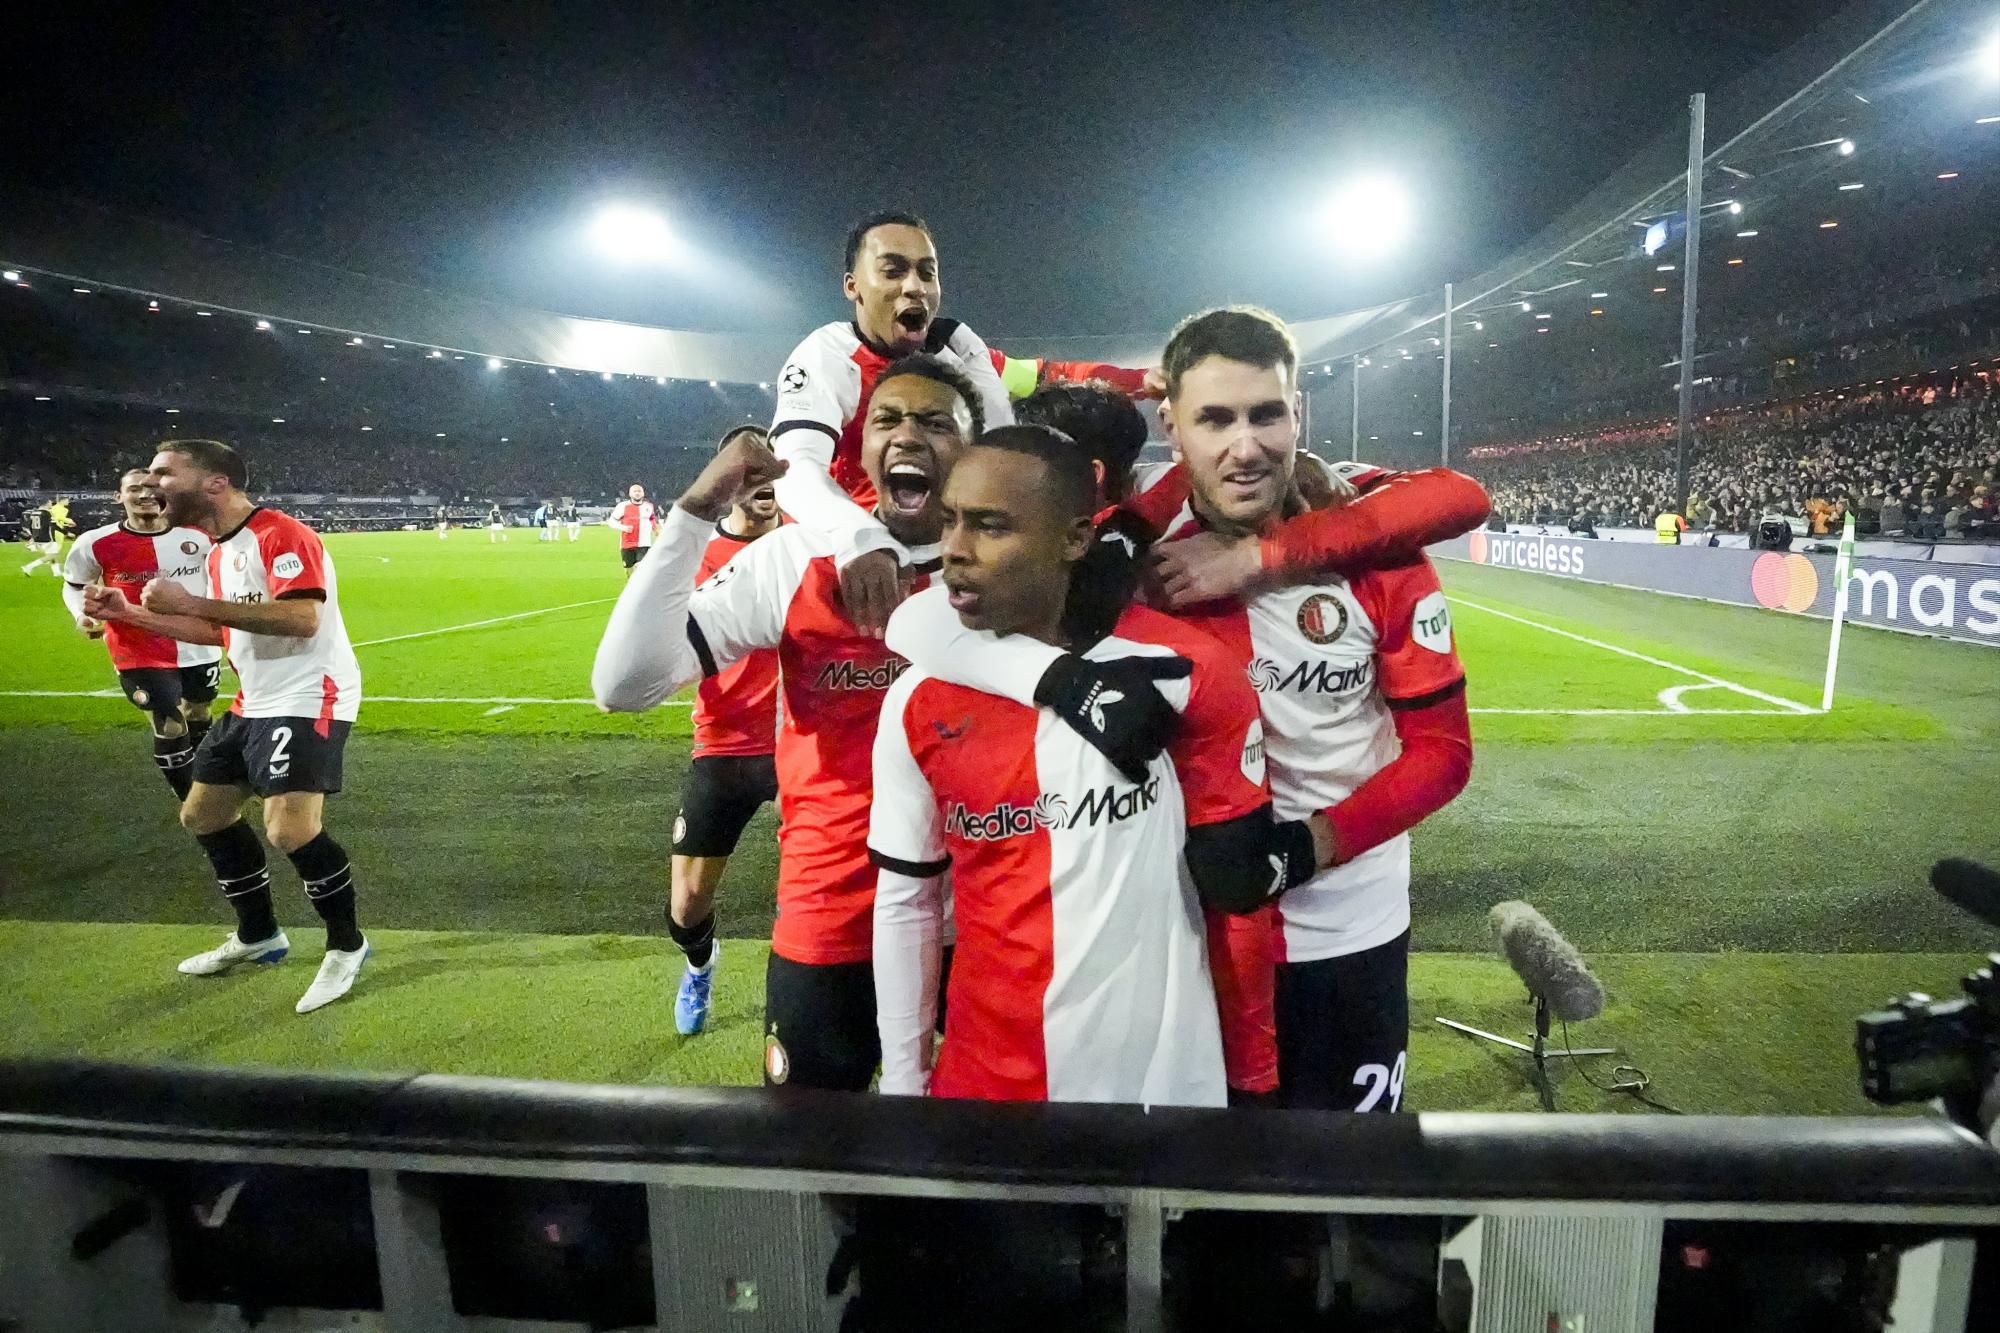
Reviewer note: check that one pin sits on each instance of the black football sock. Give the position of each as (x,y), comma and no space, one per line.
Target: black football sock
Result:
(322,864)
(696,941)
(175,757)
(238,859)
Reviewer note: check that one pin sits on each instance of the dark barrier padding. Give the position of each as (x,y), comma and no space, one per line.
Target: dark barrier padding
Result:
(1893,1160)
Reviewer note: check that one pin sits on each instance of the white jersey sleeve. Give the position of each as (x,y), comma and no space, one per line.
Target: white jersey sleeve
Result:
(819,391)
(906,842)
(996,405)
(79,568)
(925,630)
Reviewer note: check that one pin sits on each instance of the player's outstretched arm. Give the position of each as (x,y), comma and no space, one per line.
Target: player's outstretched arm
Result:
(1115,705)
(1390,523)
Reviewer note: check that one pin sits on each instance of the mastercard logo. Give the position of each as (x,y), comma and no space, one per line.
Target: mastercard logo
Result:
(1786,581)
(1476,547)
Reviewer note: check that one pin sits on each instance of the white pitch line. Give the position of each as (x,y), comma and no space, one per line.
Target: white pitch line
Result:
(477,624)
(1787,704)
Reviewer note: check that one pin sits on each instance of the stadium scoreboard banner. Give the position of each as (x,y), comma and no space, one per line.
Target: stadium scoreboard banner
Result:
(1920,596)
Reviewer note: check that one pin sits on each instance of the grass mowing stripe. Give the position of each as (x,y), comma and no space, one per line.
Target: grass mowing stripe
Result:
(519,1005)
(1790,704)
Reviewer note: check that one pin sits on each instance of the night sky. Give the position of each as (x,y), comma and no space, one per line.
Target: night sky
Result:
(1086,169)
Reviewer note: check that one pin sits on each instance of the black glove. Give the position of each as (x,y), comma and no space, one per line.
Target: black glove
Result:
(1114,705)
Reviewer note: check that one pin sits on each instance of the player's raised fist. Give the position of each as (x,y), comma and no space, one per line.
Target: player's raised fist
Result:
(104,603)
(743,465)
(164,597)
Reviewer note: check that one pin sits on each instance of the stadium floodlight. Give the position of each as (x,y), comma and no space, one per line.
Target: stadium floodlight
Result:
(81,291)
(1947,175)
(659,379)
(1987,120)
(277,421)
(1478,326)
(1846,147)
(368,428)
(1599,296)
(263,326)
(604,374)
(494,363)
(1989,58)
(1852,185)
(1745,234)
(631,234)
(1735,208)
(766,384)
(206,314)
(12,275)
(1663,268)
(1526,306)
(173,411)
(713,385)
(1369,216)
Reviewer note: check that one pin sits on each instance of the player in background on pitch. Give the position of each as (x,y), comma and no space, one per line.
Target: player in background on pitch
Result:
(783,592)
(443,522)
(172,682)
(1080,972)
(46,527)
(637,521)
(274,607)
(890,270)
(732,773)
(1362,695)
(571,519)
(496,524)
(549,520)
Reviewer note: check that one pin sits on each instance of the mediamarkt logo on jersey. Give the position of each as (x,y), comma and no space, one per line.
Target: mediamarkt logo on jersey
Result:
(854,676)
(1105,805)
(1311,677)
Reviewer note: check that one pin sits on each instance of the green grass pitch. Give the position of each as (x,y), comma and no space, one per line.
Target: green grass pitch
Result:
(1747,873)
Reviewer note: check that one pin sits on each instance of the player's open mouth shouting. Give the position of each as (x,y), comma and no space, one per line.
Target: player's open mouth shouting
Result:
(910,478)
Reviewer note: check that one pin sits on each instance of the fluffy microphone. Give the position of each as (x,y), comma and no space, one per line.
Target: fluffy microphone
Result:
(1971,886)
(1550,967)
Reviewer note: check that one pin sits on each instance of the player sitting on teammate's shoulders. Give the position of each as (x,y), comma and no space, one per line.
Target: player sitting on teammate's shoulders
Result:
(172,681)
(891,282)
(1080,972)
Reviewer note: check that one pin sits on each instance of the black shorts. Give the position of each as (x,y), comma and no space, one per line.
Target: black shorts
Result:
(159,690)
(819,1025)
(632,555)
(272,755)
(722,792)
(1344,1029)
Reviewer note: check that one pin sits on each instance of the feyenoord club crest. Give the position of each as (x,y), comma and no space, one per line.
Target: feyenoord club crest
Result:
(189,548)
(1322,618)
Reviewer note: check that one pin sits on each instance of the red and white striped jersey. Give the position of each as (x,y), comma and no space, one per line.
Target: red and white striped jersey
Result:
(270,556)
(127,560)
(1080,971)
(1329,660)
(736,709)
(636,521)
(825,385)
(782,591)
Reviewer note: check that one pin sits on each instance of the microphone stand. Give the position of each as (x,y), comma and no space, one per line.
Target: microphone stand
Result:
(1539,1050)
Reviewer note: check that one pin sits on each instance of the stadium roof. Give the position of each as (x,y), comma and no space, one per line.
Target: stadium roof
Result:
(1877,74)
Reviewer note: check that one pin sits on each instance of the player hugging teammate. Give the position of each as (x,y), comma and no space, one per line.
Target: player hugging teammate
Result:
(1310,649)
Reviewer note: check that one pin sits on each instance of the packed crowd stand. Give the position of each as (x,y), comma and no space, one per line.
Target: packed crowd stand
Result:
(1918,460)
